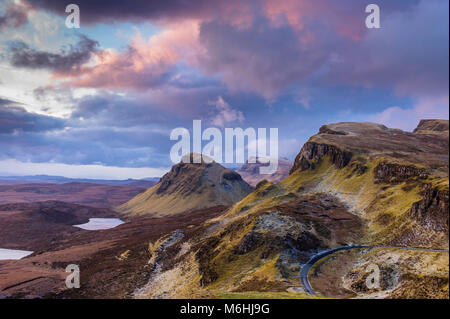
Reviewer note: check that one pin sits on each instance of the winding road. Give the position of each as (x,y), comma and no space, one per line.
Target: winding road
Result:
(306,267)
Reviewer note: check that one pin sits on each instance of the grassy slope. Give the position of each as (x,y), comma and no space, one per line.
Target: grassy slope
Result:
(195,187)
(159,205)
(384,206)
(385,209)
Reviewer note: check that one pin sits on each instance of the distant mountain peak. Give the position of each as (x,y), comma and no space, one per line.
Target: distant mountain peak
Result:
(251,174)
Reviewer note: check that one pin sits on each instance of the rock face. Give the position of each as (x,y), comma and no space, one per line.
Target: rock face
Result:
(189,186)
(250,172)
(311,153)
(432,126)
(400,168)
(395,173)
(343,140)
(432,210)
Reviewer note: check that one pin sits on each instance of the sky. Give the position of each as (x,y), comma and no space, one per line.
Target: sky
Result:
(100,101)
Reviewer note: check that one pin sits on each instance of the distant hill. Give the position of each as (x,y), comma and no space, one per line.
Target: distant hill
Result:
(189,186)
(11,180)
(250,172)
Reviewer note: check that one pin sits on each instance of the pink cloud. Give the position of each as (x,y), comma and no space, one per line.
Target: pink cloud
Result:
(299,13)
(145,63)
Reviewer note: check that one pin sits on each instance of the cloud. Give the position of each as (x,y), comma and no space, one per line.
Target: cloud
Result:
(216,61)
(342,14)
(345,16)
(108,146)
(144,64)
(14,16)
(109,129)
(408,54)
(261,46)
(70,59)
(117,111)
(304,98)
(11,167)
(407,119)
(260,58)
(14,119)
(137,10)
(296,42)
(225,114)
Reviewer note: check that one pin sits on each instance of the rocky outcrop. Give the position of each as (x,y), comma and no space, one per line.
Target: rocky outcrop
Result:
(395,173)
(432,211)
(428,146)
(159,251)
(380,172)
(311,153)
(189,186)
(430,126)
(250,171)
(324,129)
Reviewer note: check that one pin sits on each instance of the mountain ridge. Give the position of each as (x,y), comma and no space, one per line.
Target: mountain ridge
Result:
(52,179)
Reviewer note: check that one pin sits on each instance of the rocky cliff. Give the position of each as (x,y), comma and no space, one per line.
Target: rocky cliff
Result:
(342,141)
(397,180)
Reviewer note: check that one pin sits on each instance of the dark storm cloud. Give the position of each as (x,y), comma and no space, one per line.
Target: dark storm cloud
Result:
(113,10)
(135,10)
(14,118)
(69,58)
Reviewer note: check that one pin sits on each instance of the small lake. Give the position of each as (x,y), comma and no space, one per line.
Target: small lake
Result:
(15,254)
(100,223)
